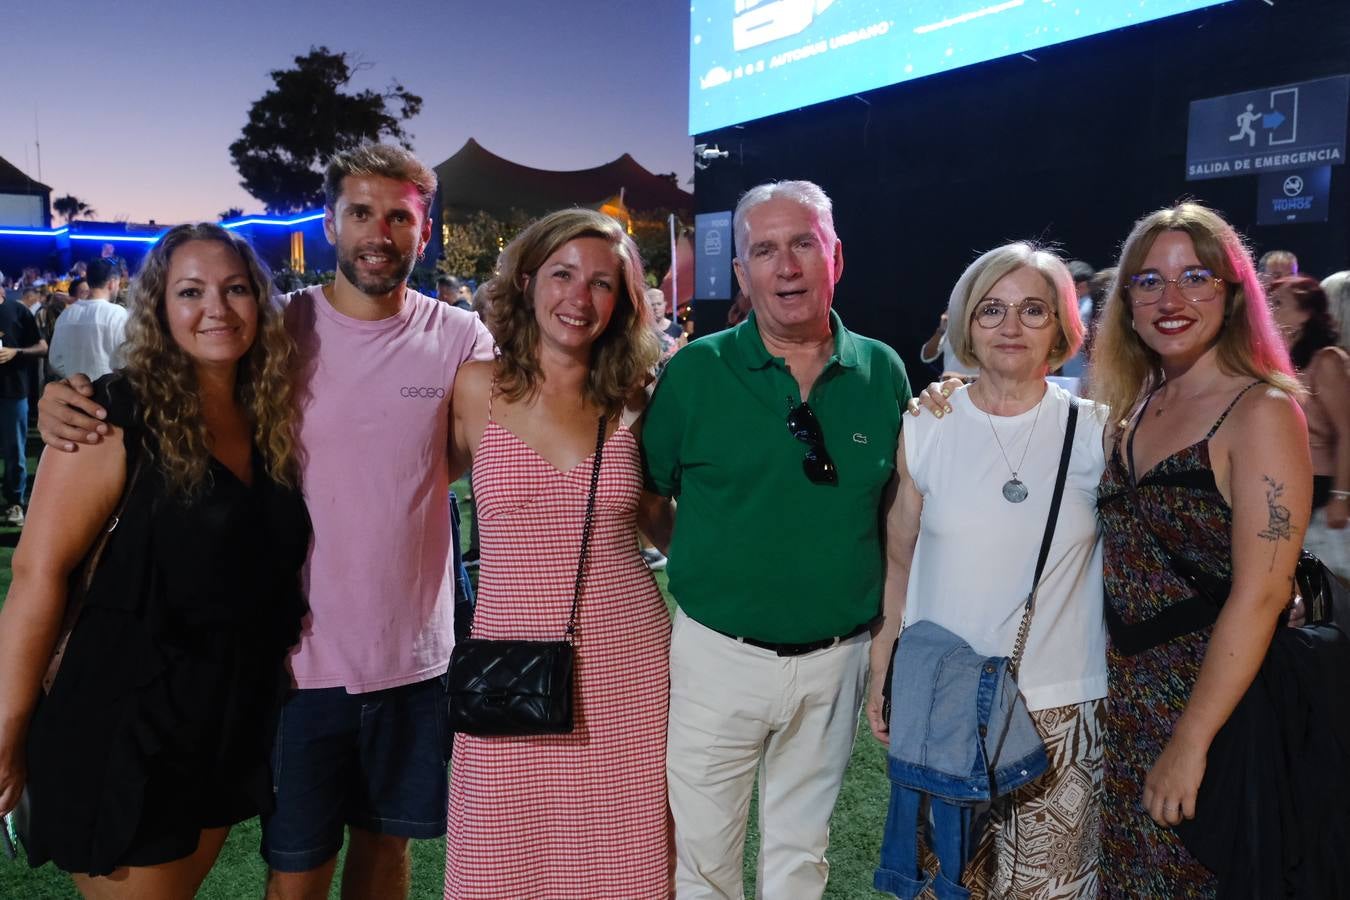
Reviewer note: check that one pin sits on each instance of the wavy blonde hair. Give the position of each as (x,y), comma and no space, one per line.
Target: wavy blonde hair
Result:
(1123,367)
(164,379)
(625,351)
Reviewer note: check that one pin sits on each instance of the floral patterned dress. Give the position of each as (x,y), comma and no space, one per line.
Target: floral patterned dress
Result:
(1178,502)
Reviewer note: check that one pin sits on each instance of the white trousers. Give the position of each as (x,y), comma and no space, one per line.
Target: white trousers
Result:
(736,709)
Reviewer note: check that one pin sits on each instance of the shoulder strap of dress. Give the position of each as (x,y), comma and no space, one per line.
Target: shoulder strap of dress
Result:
(492,391)
(1225,413)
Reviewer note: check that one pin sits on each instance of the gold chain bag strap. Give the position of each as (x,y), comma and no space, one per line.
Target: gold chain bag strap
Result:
(1020,645)
(508,688)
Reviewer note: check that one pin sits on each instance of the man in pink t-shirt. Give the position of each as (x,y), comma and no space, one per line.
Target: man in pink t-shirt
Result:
(362,742)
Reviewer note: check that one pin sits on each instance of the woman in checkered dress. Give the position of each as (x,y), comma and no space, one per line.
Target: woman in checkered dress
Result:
(583,814)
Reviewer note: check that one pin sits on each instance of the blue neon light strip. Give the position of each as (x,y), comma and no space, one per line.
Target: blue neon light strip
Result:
(282,223)
(139,239)
(34,232)
(117,238)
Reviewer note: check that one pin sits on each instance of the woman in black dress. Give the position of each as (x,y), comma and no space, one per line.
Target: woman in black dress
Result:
(153,738)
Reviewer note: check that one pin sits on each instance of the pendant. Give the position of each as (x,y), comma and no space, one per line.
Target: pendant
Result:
(1014,491)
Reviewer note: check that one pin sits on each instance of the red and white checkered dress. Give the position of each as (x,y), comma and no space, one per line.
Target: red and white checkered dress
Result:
(582,815)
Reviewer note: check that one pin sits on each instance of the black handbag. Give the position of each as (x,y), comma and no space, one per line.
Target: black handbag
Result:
(506,688)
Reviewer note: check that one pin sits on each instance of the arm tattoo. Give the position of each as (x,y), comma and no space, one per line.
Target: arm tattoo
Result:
(1278,528)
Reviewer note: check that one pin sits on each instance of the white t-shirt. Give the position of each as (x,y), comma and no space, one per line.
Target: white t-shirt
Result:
(88,338)
(977,552)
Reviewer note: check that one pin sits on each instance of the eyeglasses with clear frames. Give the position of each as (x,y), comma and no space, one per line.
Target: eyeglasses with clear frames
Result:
(1032,312)
(1198,285)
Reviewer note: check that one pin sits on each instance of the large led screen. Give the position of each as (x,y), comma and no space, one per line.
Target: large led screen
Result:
(754,58)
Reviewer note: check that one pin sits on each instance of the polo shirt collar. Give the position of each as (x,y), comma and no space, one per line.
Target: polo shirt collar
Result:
(756,356)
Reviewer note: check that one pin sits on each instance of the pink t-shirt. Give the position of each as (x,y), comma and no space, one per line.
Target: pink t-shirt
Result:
(374,401)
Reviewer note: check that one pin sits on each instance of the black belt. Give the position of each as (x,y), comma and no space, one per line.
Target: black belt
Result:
(797,649)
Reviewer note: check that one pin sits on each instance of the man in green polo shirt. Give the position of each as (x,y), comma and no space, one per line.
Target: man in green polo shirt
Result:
(778,438)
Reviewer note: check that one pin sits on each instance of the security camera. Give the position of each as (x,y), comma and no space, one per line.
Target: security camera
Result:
(704,155)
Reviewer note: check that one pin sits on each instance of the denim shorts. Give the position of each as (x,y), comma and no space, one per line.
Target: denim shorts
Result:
(375,761)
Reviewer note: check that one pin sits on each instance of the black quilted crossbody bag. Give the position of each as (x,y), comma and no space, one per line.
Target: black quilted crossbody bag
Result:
(512,688)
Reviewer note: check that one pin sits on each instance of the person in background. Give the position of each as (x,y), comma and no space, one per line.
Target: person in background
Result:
(152,740)
(937,348)
(669,333)
(51,309)
(89,335)
(1337,288)
(35,298)
(672,338)
(1211,473)
(108,253)
(739,309)
(1083,273)
(454,291)
(1277,264)
(45,317)
(1299,306)
(464,296)
(21,345)
(446,290)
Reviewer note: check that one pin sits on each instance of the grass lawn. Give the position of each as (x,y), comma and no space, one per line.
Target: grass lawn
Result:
(855,833)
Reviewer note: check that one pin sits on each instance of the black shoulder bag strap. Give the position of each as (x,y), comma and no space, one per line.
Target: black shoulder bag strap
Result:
(586,530)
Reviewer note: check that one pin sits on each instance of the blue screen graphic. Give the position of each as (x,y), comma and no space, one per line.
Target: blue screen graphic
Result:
(753,58)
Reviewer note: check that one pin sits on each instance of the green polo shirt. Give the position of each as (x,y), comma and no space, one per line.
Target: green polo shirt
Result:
(759,551)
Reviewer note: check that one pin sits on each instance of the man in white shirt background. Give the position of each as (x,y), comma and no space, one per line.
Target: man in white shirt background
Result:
(89,335)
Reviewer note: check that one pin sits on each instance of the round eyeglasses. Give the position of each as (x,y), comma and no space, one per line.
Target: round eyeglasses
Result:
(1032,312)
(1198,285)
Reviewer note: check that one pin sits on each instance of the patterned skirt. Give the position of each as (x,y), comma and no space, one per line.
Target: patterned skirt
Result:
(1044,840)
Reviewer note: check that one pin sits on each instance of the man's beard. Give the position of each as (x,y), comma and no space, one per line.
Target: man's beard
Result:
(375,287)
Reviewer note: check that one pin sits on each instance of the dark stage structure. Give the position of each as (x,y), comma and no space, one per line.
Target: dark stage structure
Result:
(1068,145)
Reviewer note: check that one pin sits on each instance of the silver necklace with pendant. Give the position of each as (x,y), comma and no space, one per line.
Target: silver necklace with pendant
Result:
(1014,491)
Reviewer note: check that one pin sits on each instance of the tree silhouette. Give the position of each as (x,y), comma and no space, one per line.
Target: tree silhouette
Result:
(304,119)
(70,208)
(233,212)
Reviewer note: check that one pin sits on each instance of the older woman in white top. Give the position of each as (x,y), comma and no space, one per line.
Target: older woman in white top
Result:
(975,489)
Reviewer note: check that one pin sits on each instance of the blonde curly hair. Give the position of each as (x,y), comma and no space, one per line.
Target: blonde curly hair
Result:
(622,355)
(164,380)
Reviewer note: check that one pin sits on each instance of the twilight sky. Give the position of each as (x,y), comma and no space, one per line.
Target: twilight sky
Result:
(137,101)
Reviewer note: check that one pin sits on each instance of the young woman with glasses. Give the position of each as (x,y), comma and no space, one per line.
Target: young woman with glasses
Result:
(981,480)
(1206,494)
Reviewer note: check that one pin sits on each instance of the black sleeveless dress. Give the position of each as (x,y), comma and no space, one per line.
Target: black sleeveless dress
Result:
(161,718)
